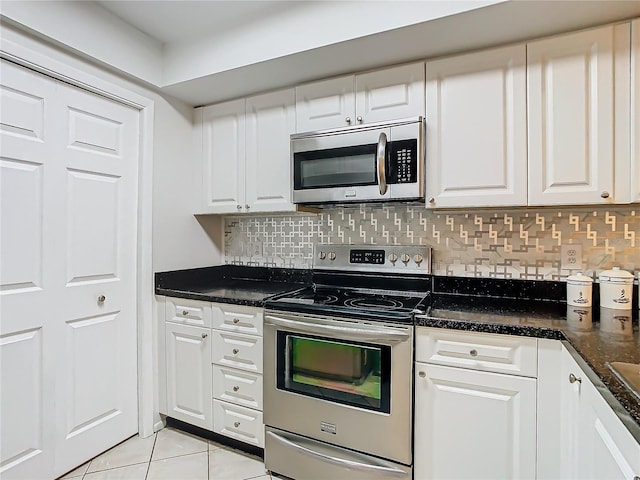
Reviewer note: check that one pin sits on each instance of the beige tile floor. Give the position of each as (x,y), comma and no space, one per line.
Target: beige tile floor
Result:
(171,454)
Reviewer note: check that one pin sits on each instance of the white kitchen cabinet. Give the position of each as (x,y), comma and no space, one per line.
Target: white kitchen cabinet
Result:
(246,165)
(189,371)
(477,129)
(237,372)
(380,95)
(595,443)
(473,425)
(471,422)
(635,111)
(578,103)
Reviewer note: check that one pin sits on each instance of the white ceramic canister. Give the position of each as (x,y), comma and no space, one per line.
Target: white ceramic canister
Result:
(579,289)
(616,289)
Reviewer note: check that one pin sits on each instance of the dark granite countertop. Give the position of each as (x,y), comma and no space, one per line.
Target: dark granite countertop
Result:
(231,283)
(593,336)
(513,307)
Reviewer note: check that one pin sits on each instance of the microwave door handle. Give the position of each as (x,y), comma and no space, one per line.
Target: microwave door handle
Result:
(382,156)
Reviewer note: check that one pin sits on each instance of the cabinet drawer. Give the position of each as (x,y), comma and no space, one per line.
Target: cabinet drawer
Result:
(237,386)
(236,318)
(478,351)
(241,423)
(189,312)
(237,350)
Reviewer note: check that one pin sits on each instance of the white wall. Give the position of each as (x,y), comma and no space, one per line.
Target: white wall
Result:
(91,30)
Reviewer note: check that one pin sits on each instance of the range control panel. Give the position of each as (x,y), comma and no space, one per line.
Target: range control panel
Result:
(414,259)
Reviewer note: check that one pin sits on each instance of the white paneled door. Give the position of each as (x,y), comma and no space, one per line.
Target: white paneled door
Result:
(69,162)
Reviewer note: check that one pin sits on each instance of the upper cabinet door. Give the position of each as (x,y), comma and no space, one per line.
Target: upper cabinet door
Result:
(270,121)
(390,94)
(223,145)
(476,129)
(571,85)
(325,104)
(635,112)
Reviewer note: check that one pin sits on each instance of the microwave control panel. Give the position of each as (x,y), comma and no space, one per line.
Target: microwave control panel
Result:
(403,161)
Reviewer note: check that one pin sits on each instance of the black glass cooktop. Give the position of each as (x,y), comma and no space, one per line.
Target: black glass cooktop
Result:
(329,300)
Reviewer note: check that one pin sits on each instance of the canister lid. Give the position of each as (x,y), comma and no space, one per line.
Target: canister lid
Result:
(579,279)
(615,275)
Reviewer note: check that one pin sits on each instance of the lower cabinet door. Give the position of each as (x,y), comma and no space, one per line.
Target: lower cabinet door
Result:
(244,424)
(473,425)
(188,360)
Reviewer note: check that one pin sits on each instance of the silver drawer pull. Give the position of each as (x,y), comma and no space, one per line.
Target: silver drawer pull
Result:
(236,320)
(236,388)
(185,313)
(473,353)
(235,351)
(236,424)
(574,379)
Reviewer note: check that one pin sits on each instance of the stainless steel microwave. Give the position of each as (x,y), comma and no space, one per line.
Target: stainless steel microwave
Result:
(367,163)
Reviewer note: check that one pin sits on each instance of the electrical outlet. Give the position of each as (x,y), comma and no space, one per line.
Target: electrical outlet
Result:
(253,249)
(571,257)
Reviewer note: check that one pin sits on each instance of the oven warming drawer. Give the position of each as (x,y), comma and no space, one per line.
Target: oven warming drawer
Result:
(299,457)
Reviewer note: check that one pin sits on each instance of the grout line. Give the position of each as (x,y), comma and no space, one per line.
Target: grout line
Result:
(155,440)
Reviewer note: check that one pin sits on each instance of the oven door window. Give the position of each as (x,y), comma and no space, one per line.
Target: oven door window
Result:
(335,167)
(350,373)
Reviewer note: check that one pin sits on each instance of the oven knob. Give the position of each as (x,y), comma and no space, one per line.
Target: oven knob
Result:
(418,258)
(393,258)
(332,256)
(405,258)
(322,255)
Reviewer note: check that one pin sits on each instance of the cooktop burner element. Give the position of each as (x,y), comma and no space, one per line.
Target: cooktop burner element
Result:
(368,302)
(369,281)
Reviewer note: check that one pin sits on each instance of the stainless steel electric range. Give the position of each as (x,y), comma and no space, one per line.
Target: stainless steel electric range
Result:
(338,362)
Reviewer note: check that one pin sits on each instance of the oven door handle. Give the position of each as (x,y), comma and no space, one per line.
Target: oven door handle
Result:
(368,333)
(342,462)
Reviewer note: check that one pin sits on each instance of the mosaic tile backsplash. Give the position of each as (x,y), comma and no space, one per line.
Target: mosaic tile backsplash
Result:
(518,243)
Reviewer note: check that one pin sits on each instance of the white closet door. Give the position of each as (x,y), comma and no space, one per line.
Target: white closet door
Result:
(69,213)
(27,286)
(96,363)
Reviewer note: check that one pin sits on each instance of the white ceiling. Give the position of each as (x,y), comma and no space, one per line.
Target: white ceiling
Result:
(173,21)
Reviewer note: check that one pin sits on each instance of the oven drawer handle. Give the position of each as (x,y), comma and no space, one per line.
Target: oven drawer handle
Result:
(342,462)
(364,333)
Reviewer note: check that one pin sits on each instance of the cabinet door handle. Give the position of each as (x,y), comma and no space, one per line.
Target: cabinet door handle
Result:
(185,313)
(101,299)
(605,195)
(422,374)
(348,120)
(574,379)
(236,424)
(359,119)
(236,320)
(431,200)
(473,353)
(236,388)
(205,335)
(235,351)
(239,207)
